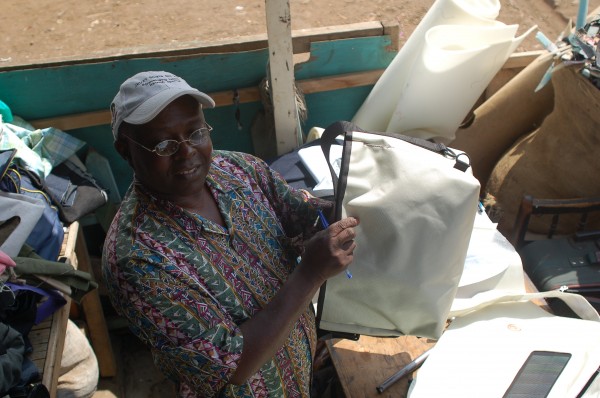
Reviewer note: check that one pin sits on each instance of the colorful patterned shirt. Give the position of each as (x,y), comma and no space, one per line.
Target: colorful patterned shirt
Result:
(185,283)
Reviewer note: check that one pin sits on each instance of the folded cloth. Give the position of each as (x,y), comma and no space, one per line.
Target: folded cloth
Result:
(29,265)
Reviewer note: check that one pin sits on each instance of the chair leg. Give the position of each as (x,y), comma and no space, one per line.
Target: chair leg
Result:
(520,227)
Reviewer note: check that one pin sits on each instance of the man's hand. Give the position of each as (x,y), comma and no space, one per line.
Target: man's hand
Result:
(330,251)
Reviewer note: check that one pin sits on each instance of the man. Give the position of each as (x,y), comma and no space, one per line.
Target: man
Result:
(202,256)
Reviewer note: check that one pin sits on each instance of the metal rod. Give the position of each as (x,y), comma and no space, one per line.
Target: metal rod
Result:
(408,369)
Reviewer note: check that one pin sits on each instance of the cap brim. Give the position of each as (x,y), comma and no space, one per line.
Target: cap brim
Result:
(154,105)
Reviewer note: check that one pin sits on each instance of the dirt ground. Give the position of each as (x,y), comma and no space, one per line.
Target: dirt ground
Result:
(36,31)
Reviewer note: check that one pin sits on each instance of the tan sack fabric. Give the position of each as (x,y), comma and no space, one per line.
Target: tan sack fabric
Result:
(513,111)
(78,368)
(560,159)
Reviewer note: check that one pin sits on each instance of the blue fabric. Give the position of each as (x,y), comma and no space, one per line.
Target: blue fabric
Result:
(50,300)
(47,236)
(61,189)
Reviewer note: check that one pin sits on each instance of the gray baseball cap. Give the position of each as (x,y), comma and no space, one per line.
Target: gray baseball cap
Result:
(146,94)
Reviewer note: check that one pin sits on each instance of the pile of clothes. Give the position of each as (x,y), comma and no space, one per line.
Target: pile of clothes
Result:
(40,194)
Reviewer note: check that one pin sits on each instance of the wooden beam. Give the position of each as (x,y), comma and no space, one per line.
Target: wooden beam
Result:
(301,39)
(522,59)
(222,98)
(337,82)
(94,314)
(281,76)
(72,122)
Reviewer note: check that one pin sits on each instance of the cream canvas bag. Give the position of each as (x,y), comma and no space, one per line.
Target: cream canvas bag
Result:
(482,352)
(416,202)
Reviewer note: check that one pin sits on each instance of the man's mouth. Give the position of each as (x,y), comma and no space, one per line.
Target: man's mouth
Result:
(187,171)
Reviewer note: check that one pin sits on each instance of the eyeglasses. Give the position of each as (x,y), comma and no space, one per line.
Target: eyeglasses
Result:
(170,147)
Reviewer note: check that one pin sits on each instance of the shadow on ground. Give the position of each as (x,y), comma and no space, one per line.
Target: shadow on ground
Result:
(137,376)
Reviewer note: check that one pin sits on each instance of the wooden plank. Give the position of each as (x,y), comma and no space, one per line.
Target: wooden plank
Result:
(41,332)
(301,38)
(38,353)
(48,337)
(392,29)
(77,121)
(321,84)
(70,242)
(364,364)
(281,76)
(94,316)
(222,98)
(27,91)
(522,59)
(56,344)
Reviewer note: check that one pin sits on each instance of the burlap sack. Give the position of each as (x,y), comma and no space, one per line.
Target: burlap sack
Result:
(560,159)
(79,370)
(511,112)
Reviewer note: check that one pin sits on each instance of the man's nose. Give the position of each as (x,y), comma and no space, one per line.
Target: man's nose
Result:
(185,148)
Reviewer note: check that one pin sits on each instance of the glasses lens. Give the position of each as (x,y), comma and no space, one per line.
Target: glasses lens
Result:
(166,148)
(199,136)
(169,147)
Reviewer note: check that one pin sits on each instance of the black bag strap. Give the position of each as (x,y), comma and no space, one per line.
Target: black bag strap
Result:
(327,139)
(6,160)
(345,129)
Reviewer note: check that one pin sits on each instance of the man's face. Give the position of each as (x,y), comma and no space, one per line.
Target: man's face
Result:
(181,176)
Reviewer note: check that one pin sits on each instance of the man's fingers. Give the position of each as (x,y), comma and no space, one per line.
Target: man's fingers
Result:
(344,224)
(344,233)
(348,245)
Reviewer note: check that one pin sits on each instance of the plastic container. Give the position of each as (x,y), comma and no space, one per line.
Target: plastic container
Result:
(6,113)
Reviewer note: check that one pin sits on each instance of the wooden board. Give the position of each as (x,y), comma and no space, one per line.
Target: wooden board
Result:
(281,76)
(301,40)
(48,337)
(364,364)
(222,98)
(94,315)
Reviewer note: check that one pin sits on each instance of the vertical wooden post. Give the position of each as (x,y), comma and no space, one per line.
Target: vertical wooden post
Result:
(281,66)
(94,315)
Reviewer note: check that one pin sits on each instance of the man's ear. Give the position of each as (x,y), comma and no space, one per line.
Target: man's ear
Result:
(123,149)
